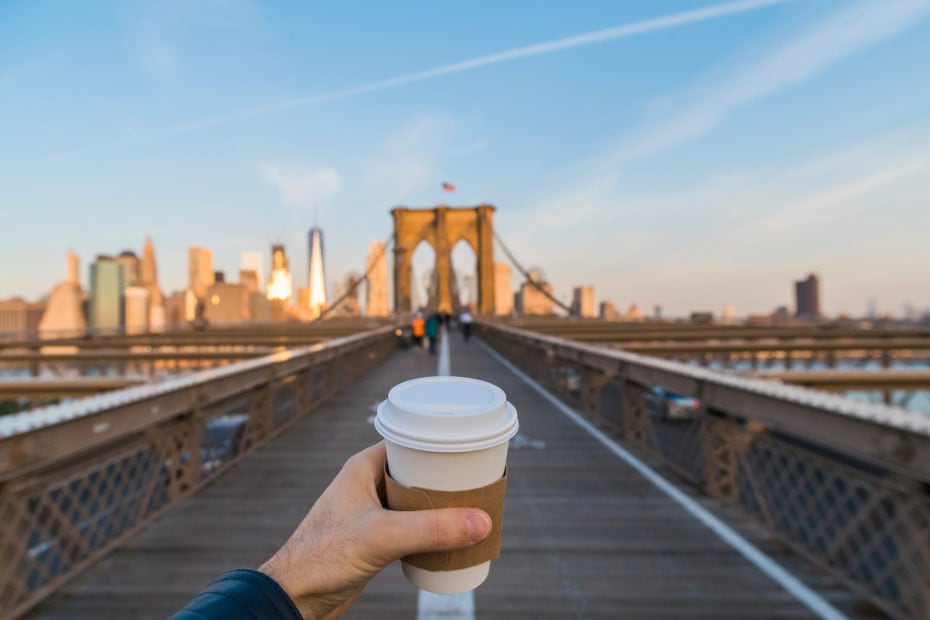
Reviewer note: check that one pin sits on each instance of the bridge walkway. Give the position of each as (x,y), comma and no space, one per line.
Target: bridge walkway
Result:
(586,536)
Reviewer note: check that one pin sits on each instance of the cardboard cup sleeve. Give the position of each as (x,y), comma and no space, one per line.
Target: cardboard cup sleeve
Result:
(489,498)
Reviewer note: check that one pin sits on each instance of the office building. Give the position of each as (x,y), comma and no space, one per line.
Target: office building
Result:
(316,281)
(106,294)
(175,310)
(250,280)
(253,261)
(583,302)
(226,303)
(148,279)
(259,307)
(536,302)
(20,316)
(503,290)
(609,311)
(807,297)
(280,284)
(200,271)
(130,264)
(136,314)
(376,288)
(64,311)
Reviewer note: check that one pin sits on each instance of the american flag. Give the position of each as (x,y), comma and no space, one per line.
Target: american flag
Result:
(448,187)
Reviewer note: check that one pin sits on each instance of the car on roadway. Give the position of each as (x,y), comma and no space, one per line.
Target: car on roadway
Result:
(662,404)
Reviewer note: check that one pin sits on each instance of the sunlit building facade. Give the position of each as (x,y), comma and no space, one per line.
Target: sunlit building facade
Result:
(376,299)
(200,271)
(280,283)
(64,312)
(503,289)
(136,312)
(317,279)
(583,302)
(148,279)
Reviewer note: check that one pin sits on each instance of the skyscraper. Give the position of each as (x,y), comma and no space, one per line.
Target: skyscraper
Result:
(377,287)
(200,271)
(130,263)
(503,290)
(317,279)
(583,302)
(136,309)
(64,316)
(280,284)
(253,260)
(148,279)
(106,293)
(807,297)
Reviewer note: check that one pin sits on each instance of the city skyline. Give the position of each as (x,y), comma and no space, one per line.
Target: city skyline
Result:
(692,156)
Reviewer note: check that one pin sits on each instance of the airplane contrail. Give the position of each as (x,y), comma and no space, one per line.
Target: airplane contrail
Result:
(598,36)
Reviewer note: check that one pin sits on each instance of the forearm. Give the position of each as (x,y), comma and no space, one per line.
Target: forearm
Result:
(240,594)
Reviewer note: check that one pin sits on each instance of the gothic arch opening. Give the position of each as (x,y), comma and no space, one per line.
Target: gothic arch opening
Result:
(464,277)
(423,277)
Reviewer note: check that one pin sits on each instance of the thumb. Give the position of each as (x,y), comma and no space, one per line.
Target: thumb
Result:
(418,531)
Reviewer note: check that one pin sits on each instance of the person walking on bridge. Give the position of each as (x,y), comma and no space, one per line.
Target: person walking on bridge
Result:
(432,332)
(465,320)
(418,328)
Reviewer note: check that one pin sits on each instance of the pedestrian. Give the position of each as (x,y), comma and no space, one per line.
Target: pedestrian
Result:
(465,321)
(432,332)
(419,325)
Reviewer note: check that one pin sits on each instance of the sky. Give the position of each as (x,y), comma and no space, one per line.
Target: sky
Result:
(687,154)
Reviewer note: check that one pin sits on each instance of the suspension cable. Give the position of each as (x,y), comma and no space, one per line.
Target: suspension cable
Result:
(529,277)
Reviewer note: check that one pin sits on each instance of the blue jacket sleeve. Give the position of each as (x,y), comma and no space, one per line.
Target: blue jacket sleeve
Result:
(241,593)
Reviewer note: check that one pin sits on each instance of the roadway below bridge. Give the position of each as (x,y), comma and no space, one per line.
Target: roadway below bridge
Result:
(586,535)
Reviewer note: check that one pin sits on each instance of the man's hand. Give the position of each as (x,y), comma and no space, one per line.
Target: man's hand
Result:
(348,537)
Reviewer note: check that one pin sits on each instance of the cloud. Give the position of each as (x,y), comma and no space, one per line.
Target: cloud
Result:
(849,31)
(700,110)
(855,215)
(160,58)
(300,187)
(408,161)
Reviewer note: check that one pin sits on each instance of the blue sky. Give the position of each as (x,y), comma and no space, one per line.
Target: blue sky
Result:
(687,154)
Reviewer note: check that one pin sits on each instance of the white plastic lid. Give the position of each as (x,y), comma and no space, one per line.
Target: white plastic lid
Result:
(446,414)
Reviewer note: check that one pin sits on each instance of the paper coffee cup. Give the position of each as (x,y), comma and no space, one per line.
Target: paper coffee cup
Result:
(446,434)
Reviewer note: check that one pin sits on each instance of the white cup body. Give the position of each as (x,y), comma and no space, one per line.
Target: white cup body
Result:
(447,471)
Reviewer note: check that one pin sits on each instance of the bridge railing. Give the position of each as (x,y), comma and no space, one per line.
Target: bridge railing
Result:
(846,484)
(77,479)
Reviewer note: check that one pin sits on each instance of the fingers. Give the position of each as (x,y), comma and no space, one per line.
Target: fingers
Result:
(369,463)
(403,533)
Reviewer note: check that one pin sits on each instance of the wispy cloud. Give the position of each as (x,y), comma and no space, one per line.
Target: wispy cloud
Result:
(848,214)
(852,29)
(703,108)
(301,187)
(406,164)
(675,20)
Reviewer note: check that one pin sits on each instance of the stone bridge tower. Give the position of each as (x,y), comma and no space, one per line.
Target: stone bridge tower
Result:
(443,227)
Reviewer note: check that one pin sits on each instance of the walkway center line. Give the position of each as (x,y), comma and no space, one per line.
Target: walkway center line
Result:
(760,560)
(445,606)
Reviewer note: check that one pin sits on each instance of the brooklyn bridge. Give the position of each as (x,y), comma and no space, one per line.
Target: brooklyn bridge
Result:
(663,469)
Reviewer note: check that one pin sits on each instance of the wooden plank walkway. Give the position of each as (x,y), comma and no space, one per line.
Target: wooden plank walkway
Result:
(585,535)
